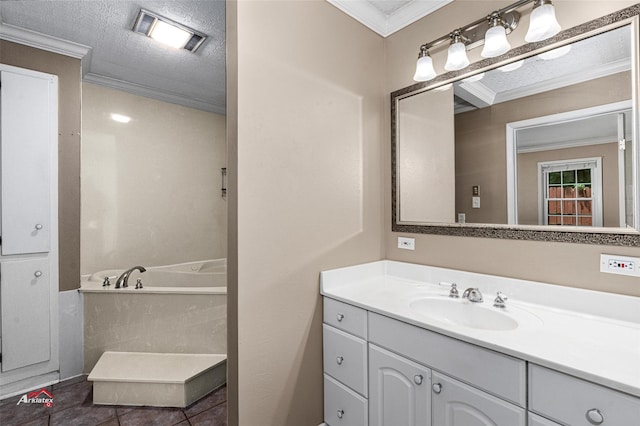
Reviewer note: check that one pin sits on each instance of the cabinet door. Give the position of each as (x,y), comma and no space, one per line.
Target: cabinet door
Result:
(398,390)
(535,420)
(24,302)
(454,404)
(28,129)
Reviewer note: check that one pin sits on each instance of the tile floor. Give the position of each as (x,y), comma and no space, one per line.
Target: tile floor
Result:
(73,405)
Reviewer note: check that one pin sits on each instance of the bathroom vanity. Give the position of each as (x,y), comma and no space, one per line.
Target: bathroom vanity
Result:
(399,351)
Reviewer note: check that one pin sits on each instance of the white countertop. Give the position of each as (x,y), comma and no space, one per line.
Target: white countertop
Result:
(588,334)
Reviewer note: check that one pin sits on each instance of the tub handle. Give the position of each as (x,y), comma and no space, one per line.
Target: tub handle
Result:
(138,283)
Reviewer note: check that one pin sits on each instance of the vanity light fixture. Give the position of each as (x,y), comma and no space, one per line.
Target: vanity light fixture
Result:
(490,31)
(168,32)
(542,23)
(457,55)
(555,53)
(512,66)
(495,39)
(424,67)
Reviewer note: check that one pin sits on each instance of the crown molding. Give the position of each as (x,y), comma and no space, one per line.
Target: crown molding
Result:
(385,25)
(46,42)
(147,92)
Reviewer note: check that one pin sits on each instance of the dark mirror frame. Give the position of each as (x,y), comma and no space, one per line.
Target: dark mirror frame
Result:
(604,236)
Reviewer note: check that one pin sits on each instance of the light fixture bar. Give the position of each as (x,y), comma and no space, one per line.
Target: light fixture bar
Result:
(494,28)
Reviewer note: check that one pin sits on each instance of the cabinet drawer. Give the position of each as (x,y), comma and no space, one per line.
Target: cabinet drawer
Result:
(499,374)
(345,358)
(342,406)
(454,403)
(570,400)
(345,317)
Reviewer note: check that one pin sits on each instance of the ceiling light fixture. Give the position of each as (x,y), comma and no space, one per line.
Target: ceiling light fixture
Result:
(167,31)
(490,31)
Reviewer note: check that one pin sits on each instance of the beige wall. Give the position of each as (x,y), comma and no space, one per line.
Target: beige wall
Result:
(68,71)
(151,187)
(308,178)
(561,263)
(424,156)
(481,140)
(528,195)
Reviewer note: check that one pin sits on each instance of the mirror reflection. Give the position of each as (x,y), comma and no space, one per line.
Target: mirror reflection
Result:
(546,140)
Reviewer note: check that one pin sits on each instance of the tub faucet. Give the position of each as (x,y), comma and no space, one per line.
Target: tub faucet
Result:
(123,279)
(473,295)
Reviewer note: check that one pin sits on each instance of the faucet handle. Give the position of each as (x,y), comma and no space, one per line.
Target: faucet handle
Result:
(500,299)
(453,292)
(106,282)
(138,283)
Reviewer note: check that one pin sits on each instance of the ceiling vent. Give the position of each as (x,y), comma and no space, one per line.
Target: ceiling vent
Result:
(167,31)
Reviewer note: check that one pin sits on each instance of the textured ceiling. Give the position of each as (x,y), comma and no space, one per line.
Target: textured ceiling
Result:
(130,61)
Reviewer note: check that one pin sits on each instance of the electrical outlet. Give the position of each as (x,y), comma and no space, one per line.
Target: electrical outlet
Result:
(406,243)
(622,265)
(475,202)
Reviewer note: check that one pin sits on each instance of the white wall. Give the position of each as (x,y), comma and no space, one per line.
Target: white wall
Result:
(151,187)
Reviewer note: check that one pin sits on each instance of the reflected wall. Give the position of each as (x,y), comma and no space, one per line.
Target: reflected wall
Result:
(150,187)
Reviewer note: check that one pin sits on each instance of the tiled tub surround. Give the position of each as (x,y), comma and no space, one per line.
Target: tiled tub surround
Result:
(153,319)
(585,334)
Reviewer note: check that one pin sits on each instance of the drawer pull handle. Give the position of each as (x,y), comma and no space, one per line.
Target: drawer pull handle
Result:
(340,413)
(339,360)
(340,317)
(437,387)
(38,274)
(38,227)
(418,379)
(595,417)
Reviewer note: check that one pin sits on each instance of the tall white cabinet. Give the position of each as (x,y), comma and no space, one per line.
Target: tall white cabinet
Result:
(28,229)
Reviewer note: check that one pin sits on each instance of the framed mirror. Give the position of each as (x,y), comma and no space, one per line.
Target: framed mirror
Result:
(542,145)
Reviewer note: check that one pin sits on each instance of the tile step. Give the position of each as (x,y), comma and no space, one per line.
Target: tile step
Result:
(156,379)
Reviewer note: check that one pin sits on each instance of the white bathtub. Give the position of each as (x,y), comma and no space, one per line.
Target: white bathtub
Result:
(180,309)
(207,273)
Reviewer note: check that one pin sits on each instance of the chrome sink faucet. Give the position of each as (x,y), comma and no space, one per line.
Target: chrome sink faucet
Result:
(123,280)
(472,294)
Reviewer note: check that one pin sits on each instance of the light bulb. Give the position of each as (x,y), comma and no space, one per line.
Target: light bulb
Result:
(456,57)
(495,42)
(543,23)
(424,67)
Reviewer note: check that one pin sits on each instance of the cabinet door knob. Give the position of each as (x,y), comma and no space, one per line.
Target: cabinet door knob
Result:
(37,274)
(340,413)
(437,387)
(595,417)
(38,226)
(418,379)
(339,360)
(340,317)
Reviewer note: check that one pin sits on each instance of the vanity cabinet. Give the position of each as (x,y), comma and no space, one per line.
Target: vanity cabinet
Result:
(457,404)
(399,390)
(345,364)
(572,401)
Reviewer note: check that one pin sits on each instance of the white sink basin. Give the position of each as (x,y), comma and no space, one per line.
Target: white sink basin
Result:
(464,313)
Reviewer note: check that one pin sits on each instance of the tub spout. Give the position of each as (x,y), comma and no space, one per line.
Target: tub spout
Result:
(123,280)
